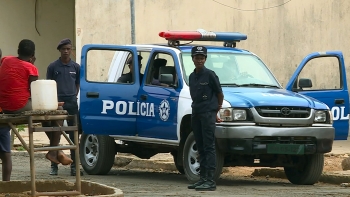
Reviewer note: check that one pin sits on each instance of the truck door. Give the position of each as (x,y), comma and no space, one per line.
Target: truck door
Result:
(108,107)
(327,73)
(159,102)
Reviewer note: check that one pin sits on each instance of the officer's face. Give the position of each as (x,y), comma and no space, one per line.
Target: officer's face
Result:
(66,50)
(131,67)
(199,60)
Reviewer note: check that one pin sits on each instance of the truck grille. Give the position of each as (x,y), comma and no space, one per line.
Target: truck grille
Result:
(284,140)
(283,112)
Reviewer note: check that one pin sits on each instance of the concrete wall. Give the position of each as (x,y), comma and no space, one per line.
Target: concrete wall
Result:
(281,36)
(54,21)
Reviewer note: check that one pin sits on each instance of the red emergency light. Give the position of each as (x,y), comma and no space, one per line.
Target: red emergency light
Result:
(202,35)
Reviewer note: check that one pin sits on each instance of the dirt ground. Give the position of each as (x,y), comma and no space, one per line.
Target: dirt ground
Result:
(331,164)
(142,179)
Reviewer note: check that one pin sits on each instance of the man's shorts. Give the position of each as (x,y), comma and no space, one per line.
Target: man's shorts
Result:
(5,139)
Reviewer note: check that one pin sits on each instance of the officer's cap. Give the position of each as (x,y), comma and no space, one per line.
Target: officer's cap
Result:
(199,50)
(63,42)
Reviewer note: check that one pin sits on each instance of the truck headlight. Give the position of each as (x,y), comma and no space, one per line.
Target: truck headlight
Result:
(229,114)
(320,116)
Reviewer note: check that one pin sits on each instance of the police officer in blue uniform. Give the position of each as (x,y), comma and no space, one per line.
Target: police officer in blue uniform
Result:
(207,98)
(66,73)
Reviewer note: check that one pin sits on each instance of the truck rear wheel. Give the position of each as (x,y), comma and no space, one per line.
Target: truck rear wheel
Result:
(308,171)
(97,153)
(191,163)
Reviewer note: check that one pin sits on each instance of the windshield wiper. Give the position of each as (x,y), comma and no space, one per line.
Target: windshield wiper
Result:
(230,84)
(259,85)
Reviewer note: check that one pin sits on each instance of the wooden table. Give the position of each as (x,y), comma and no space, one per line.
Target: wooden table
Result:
(38,116)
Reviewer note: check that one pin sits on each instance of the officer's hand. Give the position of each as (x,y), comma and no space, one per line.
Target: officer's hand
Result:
(218,120)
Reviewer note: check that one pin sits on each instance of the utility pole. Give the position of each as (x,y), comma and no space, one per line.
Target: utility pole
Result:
(132,17)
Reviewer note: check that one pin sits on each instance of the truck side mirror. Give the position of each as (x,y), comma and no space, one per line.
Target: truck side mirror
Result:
(166,79)
(305,83)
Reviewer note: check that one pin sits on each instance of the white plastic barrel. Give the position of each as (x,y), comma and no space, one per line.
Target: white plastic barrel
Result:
(44,95)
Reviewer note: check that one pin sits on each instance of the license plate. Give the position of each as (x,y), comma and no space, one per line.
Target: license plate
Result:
(289,149)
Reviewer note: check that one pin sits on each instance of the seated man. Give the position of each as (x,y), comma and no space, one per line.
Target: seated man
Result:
(128,77)
(156,66)
(16,75)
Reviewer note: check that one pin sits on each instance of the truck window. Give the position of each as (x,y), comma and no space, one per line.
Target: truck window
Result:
(232,68)
(111,66)
(161,63)
(145,56)
(325,73)
(98,64)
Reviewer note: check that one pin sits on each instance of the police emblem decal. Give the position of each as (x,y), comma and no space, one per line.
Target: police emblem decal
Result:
(164,110)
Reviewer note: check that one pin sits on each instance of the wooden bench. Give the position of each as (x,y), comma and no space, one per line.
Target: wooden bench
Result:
(39,116)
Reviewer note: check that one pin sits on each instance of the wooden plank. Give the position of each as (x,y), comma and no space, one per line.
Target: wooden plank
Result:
(49,129)
(48,148)
(50,117)
(44,112)
(14,120)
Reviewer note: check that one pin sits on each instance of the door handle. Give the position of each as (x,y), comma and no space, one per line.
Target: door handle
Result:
(339,101)
(143,97)
(92,94)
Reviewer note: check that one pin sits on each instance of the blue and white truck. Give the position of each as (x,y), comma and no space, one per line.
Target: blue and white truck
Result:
(264,124)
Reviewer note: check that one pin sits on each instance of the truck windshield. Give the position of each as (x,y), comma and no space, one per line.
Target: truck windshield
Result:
(234,69)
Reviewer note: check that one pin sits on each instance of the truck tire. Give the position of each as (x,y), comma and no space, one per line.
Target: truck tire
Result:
(309,170)
(97,153)
(191,163)
(178,166)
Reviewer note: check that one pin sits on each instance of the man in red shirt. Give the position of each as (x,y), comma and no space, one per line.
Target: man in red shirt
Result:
(16,74)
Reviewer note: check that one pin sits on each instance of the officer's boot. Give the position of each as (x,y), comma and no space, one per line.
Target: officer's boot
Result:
(209,184)
(54,169)
(73,170)
(203,178)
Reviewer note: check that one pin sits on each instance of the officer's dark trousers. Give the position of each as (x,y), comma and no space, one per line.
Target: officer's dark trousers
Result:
(71,105)
(203,125)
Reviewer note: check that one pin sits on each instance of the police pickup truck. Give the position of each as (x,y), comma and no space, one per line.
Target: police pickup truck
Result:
(264,124)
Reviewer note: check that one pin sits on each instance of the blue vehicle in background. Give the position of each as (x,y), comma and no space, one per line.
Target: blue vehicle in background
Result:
(264,124)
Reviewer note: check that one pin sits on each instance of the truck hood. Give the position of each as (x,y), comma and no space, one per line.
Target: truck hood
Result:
(255,97)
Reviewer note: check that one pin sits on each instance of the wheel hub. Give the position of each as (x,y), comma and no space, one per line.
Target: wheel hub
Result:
(91,150)
(193,159)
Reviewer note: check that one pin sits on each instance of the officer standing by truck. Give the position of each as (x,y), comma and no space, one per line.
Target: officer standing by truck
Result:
(66,73)
(207,98)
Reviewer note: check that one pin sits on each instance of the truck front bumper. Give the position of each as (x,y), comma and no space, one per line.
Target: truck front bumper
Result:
(256,139)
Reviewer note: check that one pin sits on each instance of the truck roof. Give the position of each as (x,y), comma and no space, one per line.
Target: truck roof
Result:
(187,48)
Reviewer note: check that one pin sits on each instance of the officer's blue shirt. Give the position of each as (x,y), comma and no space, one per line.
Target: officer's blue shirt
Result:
(204,88)
(66,77)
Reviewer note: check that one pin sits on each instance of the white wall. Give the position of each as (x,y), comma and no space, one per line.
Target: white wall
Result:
(55,21)
(281,36)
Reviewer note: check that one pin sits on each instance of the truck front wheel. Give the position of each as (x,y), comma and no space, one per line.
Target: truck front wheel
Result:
(307,171)
(97,153)
(191,162)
